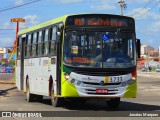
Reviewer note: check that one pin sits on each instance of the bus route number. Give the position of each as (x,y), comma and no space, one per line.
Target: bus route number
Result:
(115,79)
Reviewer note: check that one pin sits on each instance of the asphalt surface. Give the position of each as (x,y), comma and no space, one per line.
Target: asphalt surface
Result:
(148,99)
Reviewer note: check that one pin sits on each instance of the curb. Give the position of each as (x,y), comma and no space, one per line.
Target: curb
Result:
(10,88)
(4,82)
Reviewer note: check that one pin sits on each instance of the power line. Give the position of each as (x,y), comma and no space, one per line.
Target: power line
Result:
(142,8)
(148,10)
(24,4)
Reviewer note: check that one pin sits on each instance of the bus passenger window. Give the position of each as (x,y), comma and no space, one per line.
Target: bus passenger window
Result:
(39,43)
(54,30)
(53,47)
(34,44)
(45,45)
(53,41)
(29,45)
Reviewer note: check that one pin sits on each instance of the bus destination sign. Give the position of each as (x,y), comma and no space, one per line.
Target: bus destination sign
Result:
(111,21)
(92,22)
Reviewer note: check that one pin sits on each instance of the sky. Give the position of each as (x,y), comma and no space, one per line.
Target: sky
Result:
(145,12)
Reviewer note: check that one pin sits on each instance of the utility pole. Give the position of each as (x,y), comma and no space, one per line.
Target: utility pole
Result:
(123,5)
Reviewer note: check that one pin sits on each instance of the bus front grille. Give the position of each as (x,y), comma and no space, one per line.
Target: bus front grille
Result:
(88,83)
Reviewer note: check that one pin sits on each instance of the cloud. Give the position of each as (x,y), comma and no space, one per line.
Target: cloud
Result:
(137,1)
(154,28)
(19,2)
(103,7)
(109,1)
(30,20)
(68,1)
(104,4)
(8,42)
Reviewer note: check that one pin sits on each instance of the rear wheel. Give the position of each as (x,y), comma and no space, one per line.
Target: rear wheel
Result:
(30,97)
(113,103)
(56,101)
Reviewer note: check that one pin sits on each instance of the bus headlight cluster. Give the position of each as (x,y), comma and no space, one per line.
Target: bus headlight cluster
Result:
(72,80)
(75,82)
(128,82)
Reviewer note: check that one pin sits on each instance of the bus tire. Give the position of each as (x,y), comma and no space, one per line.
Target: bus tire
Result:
(56,101)
(113,103)
(30,97)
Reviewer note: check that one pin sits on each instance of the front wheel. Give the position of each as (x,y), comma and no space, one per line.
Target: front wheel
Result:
(56,101)
(113,103)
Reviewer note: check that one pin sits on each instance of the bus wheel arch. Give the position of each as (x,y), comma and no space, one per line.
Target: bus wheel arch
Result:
(50,84)
(29,97)
(55,100)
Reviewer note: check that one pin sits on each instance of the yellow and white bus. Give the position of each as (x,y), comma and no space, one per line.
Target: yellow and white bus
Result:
(79,56)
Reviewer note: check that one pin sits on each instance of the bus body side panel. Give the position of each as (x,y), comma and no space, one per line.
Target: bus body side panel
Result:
(39,71)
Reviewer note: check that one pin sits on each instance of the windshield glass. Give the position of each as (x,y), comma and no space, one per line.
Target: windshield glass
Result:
(99,49)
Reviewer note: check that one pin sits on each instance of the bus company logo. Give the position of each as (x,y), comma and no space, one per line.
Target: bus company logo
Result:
(102,83)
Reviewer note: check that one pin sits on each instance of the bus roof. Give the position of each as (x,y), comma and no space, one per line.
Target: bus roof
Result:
(44,24)
(57,20)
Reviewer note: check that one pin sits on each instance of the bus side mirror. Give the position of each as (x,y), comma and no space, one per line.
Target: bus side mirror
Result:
(138,48)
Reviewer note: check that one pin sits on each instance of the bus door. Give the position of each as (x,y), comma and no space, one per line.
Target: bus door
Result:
(22,62)
(59,54)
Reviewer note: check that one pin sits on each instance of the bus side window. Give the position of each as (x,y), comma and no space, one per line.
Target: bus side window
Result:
(25,54)
(29,45)
(45,42)
(34,44)
(52,43)
(39,50)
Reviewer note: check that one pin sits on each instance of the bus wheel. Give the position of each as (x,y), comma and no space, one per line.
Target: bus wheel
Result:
(30,97)
(56,101)
(113,103)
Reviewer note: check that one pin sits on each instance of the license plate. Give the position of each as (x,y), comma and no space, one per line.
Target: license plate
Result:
(101,90)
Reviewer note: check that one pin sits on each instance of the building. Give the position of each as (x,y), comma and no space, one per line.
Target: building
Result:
(1,53)
(145,49)
(5,53)
(154,53)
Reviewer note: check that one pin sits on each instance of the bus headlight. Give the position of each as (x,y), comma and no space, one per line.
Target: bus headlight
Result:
(72,81)
(124,84)
(79,83)
(129,82)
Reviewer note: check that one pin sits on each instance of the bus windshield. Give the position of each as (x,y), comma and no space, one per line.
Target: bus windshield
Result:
(99,49)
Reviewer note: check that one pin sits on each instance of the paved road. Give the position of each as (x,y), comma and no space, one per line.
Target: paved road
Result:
(148,99)
(6,77)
